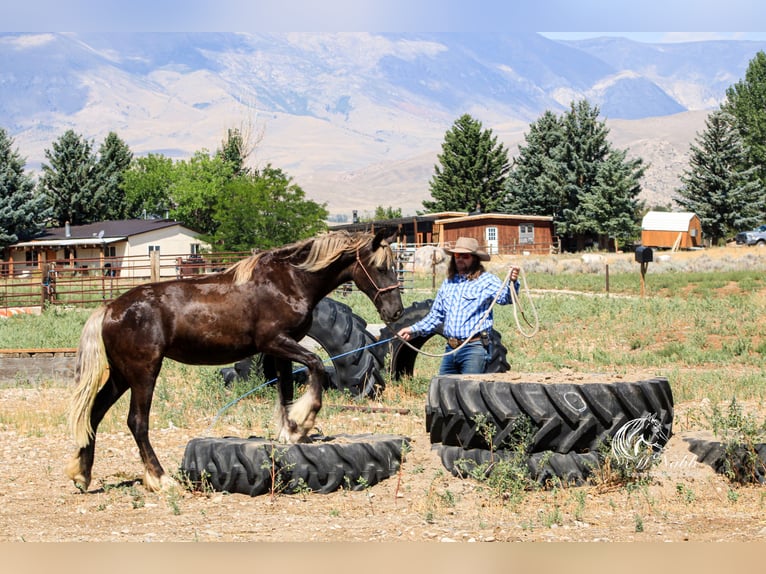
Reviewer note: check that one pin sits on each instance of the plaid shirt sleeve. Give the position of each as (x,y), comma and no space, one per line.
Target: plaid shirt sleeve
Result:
(461,303)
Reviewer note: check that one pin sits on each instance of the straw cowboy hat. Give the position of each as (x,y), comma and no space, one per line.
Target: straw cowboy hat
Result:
(468,245)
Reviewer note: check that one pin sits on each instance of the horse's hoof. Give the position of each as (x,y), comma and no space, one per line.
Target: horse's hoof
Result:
(162,483)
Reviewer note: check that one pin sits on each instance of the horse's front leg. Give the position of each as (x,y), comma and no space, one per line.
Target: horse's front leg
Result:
(295,420)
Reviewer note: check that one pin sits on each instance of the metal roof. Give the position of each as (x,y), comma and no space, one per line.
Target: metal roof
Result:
(667,221)
(68,242)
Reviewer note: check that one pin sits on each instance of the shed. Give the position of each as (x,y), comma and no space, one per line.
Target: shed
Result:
(500,232)
(671,229)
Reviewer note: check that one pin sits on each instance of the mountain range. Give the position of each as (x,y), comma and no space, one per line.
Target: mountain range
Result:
(358,119)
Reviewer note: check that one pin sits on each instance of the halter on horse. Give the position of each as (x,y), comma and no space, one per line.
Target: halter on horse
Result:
(262,304)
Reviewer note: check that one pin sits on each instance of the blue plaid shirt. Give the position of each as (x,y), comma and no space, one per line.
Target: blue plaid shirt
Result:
(461,303)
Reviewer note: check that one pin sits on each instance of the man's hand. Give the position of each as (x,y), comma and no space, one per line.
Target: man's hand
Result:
(514,273)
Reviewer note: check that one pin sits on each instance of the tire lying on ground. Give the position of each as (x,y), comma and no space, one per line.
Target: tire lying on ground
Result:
(402,356)
(357,361)
(558,417)
(544,468)
(257,466)
(738,462)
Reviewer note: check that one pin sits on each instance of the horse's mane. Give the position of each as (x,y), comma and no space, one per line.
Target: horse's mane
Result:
(323,250)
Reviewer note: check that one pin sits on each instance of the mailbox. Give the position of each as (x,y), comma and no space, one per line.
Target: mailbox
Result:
(643,254)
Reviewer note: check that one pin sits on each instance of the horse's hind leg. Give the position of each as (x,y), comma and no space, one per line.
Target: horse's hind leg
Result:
(155,478)
(80,466)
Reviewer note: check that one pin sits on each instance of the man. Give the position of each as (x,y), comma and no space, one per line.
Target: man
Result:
(460,304)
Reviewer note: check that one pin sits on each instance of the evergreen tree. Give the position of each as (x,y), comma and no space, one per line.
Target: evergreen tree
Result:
(569,171)
(22,211)
(233,152)
(610,208)
(114,158)
(264,209)
(718,186)
(71,181)
(472,169)
(535,181)
(746,102)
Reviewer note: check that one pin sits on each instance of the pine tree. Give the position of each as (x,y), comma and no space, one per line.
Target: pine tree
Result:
(746,102)
(22,211)
(535,181)
(472,169)
(611,208)
(718,186)
(114,157)
(71,181)
(569,171)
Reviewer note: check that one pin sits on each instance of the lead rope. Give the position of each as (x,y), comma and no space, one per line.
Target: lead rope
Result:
(516,306)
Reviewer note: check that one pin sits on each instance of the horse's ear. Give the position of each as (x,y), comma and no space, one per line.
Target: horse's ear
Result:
(383,234)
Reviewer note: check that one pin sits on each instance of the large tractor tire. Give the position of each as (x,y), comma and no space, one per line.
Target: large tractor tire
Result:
(546,468)
(538,417)
(257,466)
(738,462)
(403,356)
(357,359)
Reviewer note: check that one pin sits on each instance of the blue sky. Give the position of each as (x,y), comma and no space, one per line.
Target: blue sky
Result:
(387,15)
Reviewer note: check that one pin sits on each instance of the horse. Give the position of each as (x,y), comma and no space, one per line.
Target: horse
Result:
(262,303)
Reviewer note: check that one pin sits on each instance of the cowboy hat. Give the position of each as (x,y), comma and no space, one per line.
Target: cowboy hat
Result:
(468,245)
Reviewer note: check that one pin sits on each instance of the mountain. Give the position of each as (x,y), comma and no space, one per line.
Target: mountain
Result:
(357,119)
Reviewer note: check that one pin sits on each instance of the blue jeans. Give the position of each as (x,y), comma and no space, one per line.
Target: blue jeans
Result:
(471,359)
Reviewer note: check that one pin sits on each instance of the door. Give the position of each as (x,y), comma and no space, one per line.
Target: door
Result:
(490,239)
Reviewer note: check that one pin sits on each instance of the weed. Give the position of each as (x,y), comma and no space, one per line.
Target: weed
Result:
(638,523)
(685,493)
(741,435)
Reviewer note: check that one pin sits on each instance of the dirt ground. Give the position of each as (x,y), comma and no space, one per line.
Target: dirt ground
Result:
(680,500)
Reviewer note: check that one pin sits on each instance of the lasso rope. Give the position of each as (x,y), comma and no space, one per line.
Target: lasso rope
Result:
(516,309)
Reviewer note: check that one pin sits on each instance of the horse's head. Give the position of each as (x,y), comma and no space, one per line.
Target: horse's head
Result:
(375,274)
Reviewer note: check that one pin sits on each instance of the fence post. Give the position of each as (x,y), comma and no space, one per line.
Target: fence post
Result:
(154,263)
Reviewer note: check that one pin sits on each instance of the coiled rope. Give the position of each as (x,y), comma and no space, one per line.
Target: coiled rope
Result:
(516,310)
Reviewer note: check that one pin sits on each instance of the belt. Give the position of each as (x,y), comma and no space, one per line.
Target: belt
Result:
(454,342)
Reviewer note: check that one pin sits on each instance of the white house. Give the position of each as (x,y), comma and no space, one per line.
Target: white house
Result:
(126,245)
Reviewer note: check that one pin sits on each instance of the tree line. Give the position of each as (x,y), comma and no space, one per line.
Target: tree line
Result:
(566,168)
(234,207)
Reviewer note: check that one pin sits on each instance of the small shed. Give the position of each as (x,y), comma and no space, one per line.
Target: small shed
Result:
(500,232)
(671,229)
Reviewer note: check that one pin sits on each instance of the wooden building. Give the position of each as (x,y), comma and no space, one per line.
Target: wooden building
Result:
(500,232)
(671,230)
(496,232)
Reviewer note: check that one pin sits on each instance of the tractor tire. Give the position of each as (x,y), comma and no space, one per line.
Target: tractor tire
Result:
(546,469)
(257,466)
(740,464)
(357,359)
(539,417)
(402,361)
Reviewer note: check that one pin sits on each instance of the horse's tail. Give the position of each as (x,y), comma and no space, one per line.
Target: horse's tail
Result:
(91,372)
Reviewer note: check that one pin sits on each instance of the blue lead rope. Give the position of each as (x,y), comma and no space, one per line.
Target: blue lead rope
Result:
(267,383)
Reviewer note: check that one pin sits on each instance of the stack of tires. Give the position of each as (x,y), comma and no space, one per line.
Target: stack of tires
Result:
(560,428)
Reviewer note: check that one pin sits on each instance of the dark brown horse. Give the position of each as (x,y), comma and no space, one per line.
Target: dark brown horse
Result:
(262,304)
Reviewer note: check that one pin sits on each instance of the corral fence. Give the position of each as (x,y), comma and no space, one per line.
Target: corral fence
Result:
(28,288)
(33,287)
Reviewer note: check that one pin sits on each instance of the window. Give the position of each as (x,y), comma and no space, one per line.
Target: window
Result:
(154,248)
(110,251)
(526,233)
(194,249)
